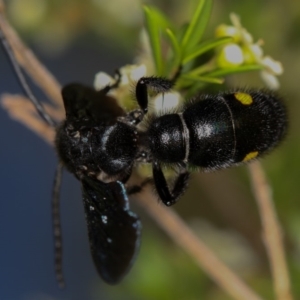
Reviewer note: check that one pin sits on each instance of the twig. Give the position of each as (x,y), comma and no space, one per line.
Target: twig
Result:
(30,63)
(271,232)
(22,110)
(181,234)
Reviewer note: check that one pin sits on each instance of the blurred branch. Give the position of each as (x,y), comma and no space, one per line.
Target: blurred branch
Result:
(271,232)
(239,206)
(22,110)
(29,62)
(184,237)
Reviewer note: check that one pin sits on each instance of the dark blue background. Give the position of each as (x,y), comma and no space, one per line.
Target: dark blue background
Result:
(27,166)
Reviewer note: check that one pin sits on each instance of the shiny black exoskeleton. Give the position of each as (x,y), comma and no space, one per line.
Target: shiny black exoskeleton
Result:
(210,132)
(100,143)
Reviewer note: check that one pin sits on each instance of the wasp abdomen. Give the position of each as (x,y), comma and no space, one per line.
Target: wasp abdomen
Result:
(232,128)
(259,121)
(211,133)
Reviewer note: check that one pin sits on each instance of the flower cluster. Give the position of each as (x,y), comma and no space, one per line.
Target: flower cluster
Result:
(130,74)
(242,50)
(236,52)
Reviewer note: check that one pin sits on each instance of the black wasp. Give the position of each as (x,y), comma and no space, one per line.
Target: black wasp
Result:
(100,143)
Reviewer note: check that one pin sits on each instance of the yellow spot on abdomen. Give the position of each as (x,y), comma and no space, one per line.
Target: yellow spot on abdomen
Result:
(250,155)
(244,98)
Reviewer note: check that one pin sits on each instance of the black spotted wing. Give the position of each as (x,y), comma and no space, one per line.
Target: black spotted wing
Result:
(114,231)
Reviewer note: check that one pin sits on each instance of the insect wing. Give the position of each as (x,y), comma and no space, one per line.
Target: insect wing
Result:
(114,231)
(85,104)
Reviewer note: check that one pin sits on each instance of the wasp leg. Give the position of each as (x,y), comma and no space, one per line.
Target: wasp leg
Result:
(115,85)
(134,189)
(169,197)
(158,84)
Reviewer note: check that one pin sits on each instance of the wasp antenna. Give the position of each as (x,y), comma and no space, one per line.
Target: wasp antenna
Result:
(57,235)
(21,78)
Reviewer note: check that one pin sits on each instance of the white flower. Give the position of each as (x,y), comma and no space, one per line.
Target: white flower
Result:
(102,80)
(272,69)
(166,101)
(231,55)
(272,65)
(129,75)
(132,73)
(245,36)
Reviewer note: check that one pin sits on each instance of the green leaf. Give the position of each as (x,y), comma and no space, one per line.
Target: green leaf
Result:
(206,46)
(196,27)
(206,79)
(228,71)
(176,60)
(190,87)
(156,23)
